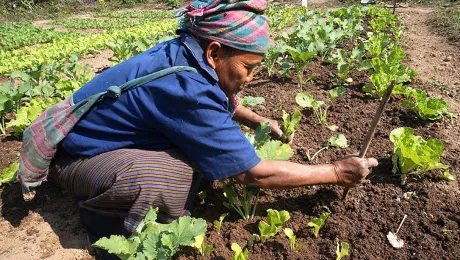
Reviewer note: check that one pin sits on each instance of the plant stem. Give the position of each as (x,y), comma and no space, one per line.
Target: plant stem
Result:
(255,204)
(2,126)
(320,150)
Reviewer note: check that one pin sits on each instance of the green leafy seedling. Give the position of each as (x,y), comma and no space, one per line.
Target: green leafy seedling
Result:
(239,254)
(9,174)
(447,176)
(218,223)
(275,222)
(152,240)
(320,107)
(266,231)
(251,240)
(339,141)
(292,240)
(318,223)
(342,250)
(413,155)
(202,247)
(202,195)
(290,123)
(251,101)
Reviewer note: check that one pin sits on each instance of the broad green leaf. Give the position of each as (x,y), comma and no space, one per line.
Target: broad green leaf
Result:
(338,141)
(336,92)
(22,75)
(118,245)
(182,232)
(266,231)
(365,65)
(251,101)
(275,150)
(151,244)
(262,134)
(307,100)
(9,174)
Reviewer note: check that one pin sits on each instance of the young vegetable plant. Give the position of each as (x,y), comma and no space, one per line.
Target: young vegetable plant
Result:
(301,58)
(152,240)
(413,155)
(342,250)
(203,248)
(318,223)
(245,202)
(251,101)
(218,223)
(447,176)
(339,141)
(320,107)
(290,122)
(239,254)
(275,222)
(292,240)
(202,195)
(345,64)
(427,108)
(9,174)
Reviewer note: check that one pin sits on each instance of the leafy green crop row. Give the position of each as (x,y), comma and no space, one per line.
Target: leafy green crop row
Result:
(20,34)
(31,58)
(138,14)
(114,23)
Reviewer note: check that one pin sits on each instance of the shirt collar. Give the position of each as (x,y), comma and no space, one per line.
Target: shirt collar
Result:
(197,52)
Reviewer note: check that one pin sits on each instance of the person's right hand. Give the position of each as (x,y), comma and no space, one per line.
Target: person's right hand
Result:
(351,171)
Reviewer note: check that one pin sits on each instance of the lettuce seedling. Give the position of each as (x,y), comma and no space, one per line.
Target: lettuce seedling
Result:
(275,222)
(342,250)
(9,174)
(239,254)
(290,123)
(251,101)
(202,247)
(152,240)
(218,223)
(427,108)
(447,176)
(292,240)
(320,107)
(318,223)
(413,155)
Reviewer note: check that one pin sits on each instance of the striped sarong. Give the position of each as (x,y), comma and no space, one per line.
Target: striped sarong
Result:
(127,182)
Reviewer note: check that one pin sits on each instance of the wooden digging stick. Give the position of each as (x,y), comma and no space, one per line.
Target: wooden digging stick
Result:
(374,124)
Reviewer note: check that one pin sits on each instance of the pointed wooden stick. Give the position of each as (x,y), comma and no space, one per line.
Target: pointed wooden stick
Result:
(371,131)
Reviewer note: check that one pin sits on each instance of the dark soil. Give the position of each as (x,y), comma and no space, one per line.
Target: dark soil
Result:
(431,230)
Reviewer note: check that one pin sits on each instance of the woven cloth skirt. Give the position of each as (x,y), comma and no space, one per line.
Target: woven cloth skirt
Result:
(126,183)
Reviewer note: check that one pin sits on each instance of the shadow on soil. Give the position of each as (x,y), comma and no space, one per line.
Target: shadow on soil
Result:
(57,209)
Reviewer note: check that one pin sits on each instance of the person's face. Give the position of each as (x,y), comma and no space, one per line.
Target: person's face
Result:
(234,68)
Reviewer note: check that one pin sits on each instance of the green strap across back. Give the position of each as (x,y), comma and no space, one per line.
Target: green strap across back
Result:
(40,140)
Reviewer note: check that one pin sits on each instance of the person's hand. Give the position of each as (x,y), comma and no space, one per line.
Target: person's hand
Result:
(351,171)
(276,133)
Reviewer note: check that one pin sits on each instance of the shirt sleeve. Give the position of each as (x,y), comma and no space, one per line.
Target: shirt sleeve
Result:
(194,115)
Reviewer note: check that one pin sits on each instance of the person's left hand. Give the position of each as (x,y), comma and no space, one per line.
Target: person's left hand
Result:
(276,133)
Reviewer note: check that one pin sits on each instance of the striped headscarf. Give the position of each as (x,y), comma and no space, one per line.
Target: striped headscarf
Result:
(234,23)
